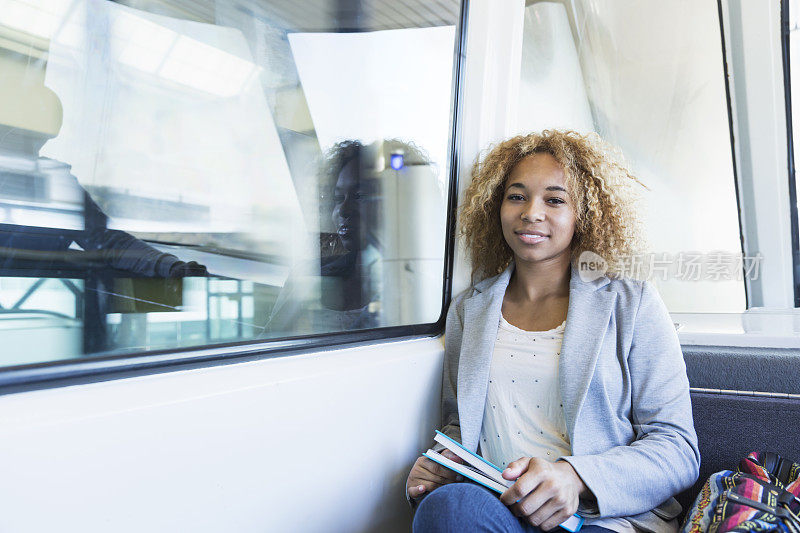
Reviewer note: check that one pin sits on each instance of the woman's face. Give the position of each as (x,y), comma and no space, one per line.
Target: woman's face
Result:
(537,214)
(349,203)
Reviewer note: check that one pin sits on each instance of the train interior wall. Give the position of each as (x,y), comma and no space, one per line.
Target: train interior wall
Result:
(323,441)
(315,442)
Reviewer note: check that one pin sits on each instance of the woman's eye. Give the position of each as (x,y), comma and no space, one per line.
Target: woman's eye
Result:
(556,201)
(515,197)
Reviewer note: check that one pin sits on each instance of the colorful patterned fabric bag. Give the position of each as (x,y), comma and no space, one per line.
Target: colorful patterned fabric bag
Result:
(762,495)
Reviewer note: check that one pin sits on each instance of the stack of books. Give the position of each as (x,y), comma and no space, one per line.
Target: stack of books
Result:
(483,472)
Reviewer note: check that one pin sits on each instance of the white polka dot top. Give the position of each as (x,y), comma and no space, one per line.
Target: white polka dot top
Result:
(523,416)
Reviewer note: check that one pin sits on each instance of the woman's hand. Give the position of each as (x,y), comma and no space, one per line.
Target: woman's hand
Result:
(545,493)
(427,475)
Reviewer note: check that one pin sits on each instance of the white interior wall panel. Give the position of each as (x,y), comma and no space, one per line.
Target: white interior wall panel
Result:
(316,442)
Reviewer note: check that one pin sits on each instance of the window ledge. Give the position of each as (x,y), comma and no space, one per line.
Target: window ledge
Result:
(756,327)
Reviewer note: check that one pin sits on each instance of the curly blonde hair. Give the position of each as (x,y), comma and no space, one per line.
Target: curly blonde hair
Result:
(598,183)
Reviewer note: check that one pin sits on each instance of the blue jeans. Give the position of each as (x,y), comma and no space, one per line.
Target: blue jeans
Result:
(464,507)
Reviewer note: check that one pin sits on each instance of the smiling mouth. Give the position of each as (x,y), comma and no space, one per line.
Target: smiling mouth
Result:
(530,238)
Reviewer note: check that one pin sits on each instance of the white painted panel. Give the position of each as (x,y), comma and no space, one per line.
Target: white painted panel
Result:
(317,442)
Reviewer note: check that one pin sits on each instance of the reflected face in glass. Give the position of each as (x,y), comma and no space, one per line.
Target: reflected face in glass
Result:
(350,199)
(537,215)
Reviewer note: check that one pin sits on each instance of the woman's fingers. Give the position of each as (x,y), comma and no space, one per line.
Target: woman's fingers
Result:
(516,468)
(541,515)
(527,473)
(423,476)
(453,457)
(440,471)
(419,489)
(555,519)
(542,495)
(416,491)
(427,475)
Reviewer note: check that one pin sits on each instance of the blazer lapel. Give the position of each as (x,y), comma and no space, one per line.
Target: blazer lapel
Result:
(481,321)
(587,321)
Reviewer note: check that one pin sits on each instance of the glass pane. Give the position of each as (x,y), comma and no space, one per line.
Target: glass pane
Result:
(179,173)
(648,78)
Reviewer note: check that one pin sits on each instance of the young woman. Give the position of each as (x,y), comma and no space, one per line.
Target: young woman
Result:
(572,380)
(349,268)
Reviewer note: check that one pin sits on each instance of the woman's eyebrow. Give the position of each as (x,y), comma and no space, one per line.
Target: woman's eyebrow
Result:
(548,188)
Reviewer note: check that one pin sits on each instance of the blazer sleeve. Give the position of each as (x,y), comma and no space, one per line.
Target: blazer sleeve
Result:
(453,334)
(453,331)
(663,459)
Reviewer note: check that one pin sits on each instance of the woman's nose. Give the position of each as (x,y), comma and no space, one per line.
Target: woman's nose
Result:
(533,212)
(349,204)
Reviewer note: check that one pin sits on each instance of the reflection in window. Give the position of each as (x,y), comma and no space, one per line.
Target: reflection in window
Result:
(649,79)
(179,174)
(382,206)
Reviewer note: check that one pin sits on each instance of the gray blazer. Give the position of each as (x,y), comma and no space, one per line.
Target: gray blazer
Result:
(623,385)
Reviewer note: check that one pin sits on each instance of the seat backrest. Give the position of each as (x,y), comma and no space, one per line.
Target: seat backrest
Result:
(729,426)
(755,405)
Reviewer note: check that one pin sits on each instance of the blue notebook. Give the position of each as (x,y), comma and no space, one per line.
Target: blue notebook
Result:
(483,472)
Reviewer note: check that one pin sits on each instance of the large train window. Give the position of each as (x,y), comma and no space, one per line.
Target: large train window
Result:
(183,174)
(649,78)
